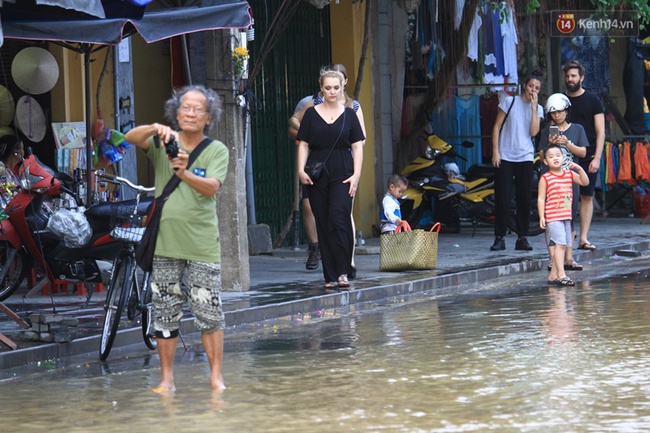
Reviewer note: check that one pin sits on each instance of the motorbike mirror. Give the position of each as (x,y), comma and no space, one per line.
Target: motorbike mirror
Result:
(467,144)
(2,168)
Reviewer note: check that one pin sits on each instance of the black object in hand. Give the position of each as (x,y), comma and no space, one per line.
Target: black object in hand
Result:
(171,148)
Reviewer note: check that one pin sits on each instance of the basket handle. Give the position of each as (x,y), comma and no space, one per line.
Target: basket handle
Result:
(404,226)
(435,227)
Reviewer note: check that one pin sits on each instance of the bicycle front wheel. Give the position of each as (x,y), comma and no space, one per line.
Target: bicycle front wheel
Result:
(147,313)
(118,293)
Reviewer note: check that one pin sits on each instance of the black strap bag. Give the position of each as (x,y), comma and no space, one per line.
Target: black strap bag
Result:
(314,168)
(144,252)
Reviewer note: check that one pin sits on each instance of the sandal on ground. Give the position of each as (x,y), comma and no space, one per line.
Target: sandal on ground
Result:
(566,281)
(343,282)
(573,266)
(553,282)
(331,285)
(587,246)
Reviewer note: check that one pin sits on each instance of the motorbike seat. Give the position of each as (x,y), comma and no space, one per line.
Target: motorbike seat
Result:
(103,211)
(485,171)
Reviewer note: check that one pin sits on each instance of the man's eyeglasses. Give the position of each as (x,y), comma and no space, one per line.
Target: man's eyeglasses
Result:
(197,110)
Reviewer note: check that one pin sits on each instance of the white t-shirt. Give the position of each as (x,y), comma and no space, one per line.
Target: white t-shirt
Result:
(515,142)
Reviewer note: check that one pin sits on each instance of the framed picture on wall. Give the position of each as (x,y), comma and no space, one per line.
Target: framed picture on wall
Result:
(69,135)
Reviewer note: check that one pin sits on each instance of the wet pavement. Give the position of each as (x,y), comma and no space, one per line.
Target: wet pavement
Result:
(282,287)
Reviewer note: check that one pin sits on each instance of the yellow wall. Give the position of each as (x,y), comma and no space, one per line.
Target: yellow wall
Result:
(68,95)
(347,22)
(151,88)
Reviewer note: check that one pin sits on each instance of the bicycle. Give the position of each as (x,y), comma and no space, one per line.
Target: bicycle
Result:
(127,221)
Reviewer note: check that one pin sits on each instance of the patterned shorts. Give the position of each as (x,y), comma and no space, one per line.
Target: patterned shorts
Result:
(174,282)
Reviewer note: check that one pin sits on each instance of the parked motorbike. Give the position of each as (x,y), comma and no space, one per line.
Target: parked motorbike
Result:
(433,195)
(27,243)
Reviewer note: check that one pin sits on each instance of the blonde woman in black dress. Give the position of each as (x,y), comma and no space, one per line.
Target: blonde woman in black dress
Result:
(331,132)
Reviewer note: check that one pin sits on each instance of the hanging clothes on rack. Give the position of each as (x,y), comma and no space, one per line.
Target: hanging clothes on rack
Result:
(625,172)
(608,175)
(641,162)
(510,41)
(493,40)
(488,109)
(468,128)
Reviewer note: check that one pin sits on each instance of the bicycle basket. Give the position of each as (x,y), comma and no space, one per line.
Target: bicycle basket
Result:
(127,222)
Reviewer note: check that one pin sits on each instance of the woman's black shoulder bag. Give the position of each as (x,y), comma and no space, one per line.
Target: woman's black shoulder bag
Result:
(145,250)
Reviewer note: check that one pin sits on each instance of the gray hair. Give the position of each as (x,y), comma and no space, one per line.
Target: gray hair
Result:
(213,104)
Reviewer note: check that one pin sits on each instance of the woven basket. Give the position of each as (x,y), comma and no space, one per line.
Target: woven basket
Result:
(409,250)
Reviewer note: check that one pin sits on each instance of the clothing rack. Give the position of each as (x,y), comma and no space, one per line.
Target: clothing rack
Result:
(455,86)
(623,174)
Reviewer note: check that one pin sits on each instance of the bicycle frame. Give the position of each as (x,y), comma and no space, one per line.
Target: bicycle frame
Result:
(124,279)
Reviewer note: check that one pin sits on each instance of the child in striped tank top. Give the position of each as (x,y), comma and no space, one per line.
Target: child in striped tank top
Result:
(554,199)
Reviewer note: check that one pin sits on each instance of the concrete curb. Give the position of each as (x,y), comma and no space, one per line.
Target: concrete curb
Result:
(438,286)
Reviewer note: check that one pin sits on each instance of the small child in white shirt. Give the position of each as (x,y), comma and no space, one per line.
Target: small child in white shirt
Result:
(391,215)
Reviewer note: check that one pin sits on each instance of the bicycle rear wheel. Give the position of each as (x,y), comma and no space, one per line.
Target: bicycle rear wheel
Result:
(147,313)
(118,293)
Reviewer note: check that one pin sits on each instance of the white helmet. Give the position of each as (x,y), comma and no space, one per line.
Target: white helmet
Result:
(557,102)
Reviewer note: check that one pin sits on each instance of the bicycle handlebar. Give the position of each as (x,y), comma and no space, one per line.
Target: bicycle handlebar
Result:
(117,179)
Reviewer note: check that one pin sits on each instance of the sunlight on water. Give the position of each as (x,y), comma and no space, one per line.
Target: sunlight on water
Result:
(547,359)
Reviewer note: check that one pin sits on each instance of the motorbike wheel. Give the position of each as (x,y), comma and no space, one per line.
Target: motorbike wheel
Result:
(13,269)
(118,292)
(147,313)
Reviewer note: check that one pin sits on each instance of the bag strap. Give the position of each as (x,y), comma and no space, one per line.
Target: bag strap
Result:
(508,112)
(404,226)
(175,180)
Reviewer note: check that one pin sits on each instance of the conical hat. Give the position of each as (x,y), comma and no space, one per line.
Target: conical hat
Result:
(7,107)
(30,118)
(35,70)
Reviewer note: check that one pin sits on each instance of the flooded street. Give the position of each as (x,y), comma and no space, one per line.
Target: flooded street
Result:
(533,359)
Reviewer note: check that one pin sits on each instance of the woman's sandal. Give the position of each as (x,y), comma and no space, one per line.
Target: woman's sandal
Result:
(573,266)
(343,282)
(331,285)
(566,281)
(587,246)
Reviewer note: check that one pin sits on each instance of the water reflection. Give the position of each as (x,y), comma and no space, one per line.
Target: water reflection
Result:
(541,359)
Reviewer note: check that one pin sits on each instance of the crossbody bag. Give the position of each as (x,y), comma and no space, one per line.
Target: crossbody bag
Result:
(144,252)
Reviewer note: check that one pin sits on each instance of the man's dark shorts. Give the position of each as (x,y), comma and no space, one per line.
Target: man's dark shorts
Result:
(589,189)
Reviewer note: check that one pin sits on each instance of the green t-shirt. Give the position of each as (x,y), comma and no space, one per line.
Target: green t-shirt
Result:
(188,225)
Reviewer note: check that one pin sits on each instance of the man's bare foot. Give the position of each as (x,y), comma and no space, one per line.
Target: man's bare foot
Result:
(217,384)
(164,388)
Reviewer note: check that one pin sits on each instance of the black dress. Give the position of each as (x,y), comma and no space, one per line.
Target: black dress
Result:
(328,196)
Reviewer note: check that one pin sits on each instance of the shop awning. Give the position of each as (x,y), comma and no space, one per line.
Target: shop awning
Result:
(153,26)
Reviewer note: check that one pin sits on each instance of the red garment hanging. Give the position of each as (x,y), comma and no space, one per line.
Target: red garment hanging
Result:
(625,175)
(641,162)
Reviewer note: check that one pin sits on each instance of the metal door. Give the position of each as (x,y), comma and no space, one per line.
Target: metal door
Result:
(290,73)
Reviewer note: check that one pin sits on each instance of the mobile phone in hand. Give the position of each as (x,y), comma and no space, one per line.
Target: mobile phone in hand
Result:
(554,131)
